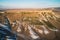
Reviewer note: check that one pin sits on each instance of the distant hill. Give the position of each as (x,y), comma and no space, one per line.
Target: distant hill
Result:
(56,8)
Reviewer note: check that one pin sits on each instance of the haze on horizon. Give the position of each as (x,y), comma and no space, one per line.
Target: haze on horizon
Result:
(28,4)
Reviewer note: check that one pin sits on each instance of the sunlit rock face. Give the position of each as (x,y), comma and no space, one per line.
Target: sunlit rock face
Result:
(35,24)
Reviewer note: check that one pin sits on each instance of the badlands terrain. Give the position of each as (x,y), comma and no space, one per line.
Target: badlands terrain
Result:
(34,24)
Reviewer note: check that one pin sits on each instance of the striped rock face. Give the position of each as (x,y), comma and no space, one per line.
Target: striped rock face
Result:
(34,24)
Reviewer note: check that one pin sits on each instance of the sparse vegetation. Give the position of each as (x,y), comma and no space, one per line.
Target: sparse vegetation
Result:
(33,19)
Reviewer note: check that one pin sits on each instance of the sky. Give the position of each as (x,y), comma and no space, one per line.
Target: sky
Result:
(29,3)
